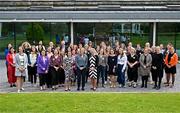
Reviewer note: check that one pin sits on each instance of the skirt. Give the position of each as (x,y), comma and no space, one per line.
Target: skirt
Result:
(171,70)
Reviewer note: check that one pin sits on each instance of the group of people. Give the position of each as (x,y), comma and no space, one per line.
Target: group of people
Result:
(64,66)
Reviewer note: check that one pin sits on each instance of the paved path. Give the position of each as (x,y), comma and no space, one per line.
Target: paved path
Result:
(4,86)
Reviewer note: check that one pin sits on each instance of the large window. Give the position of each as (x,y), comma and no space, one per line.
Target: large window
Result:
(138,33)
(17,33)
(169,33)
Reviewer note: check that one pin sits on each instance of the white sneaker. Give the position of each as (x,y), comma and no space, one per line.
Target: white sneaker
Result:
(109,82)
(22,89)
(105,82)
(18,91)
(120,85)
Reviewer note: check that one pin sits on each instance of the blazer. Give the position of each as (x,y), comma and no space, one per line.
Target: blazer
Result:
(42,66)
(17,61)
(145,71)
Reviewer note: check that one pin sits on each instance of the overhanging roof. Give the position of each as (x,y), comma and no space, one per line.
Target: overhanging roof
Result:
(89,16)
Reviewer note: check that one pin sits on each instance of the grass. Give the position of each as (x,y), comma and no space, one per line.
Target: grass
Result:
(90,103)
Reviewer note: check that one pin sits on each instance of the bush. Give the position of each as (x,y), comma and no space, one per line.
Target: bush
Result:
(35,33)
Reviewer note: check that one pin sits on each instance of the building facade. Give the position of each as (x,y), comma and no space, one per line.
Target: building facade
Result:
(155,21)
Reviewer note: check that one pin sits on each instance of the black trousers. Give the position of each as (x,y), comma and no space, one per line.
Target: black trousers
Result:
(42,79)
(81,75)
(101,73)
(32,74)
(144,81)
(55,76)
(61,76)
(132,74)
(29,78)
(48,78)
(87,74)
(157,74)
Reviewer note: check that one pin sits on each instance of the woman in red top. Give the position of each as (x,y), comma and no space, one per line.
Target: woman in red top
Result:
(171,61)
(11,67)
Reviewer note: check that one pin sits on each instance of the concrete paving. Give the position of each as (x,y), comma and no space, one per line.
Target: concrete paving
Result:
(4,86)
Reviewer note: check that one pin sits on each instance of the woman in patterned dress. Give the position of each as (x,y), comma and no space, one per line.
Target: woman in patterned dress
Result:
(68,68)
(93,64)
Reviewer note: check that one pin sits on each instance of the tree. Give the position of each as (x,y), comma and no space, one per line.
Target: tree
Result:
(35,32)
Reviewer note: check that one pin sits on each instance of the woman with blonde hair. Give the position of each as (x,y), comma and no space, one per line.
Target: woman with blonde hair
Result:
(93,64)
(171,60)
(21,61)
(145,61)
(132,71)
(121,67)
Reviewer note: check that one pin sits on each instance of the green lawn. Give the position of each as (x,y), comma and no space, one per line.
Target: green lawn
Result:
(90,103)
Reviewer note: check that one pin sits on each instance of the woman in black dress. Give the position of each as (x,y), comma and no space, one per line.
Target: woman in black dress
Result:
(132,71)
(112,61)
(157,68)
(171,61)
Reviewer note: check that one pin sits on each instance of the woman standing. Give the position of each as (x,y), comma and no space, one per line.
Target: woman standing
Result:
(21,68)
(171,61)
(55,64)
(74,66)
(11,67)
(81,63)
(102,66)
(132,71)
(112,61)
(93,64)
(62,73)
(145,61)
(32,65)
(121,67)
(6,51)
(27,50)
(42,69)
(49,54)
(157,68)
(68,68)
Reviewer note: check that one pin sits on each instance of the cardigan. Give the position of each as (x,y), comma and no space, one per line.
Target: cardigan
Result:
(18,65)
(173,60)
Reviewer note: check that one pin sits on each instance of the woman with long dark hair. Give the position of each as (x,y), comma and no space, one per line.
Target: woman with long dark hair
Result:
(11,67)
(112,61)
(33,66)
(55,64)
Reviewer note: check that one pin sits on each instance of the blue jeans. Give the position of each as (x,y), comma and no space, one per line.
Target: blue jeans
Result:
(101,73)
(121,75)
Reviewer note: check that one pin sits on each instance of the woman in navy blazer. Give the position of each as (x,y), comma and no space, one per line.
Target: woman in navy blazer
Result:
(42,68)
